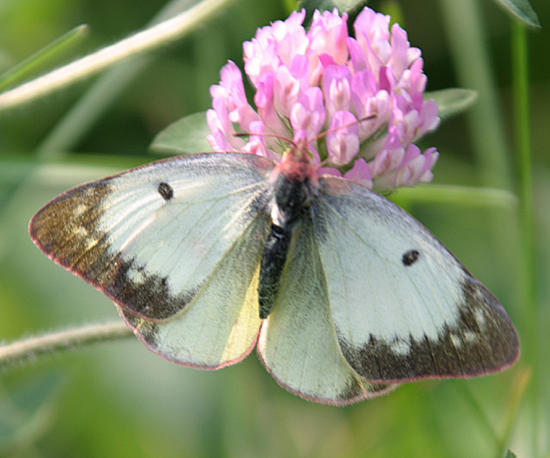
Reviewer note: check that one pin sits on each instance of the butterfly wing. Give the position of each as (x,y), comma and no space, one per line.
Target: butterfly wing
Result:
(402,305)
(160,241)
(220,324)
(297,343)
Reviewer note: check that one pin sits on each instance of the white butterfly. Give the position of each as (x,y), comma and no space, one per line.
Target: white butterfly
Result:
(343,293)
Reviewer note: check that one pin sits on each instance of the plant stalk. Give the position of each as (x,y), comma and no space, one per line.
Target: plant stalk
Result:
(32,347)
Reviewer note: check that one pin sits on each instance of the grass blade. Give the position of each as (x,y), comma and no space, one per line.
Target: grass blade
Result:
(139,43)
(46,56)
(522,10)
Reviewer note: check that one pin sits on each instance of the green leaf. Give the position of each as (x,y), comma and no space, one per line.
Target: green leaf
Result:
(188,135)
(521,9)
(452,101)
(343,6)
(510,454)
(43,58)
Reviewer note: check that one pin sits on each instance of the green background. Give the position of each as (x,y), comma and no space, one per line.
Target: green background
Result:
(118,399)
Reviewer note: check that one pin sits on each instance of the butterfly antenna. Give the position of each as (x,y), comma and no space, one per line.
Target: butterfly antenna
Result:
(266,134)
(299,150)
(334,129)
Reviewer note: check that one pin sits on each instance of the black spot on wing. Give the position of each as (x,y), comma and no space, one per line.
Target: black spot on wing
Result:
(165,190)
(482,340)
(147,294)
(68,230)
(410,257)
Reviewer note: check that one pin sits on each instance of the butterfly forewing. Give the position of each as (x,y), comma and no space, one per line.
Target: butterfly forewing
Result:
(149,237)
(298,343)
(403,307)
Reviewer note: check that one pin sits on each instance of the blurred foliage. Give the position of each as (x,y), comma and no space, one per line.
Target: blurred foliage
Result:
(118,399)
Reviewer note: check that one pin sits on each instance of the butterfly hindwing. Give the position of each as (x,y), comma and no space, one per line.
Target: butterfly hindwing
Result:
(298,343)
(220,324)
(403,307)
(149,237)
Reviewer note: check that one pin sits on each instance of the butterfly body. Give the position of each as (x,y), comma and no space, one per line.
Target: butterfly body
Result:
(294,185)
(343,293)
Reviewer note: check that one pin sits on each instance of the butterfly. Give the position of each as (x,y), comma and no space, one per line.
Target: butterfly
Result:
(343,293)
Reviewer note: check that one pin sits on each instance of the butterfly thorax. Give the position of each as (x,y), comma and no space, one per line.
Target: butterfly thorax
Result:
(294,183)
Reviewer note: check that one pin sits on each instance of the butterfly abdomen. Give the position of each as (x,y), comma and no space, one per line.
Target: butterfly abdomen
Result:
(273,261)
(293,189)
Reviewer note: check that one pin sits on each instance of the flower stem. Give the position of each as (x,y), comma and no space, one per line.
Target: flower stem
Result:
(525,192)
(33,347)
(91,64)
